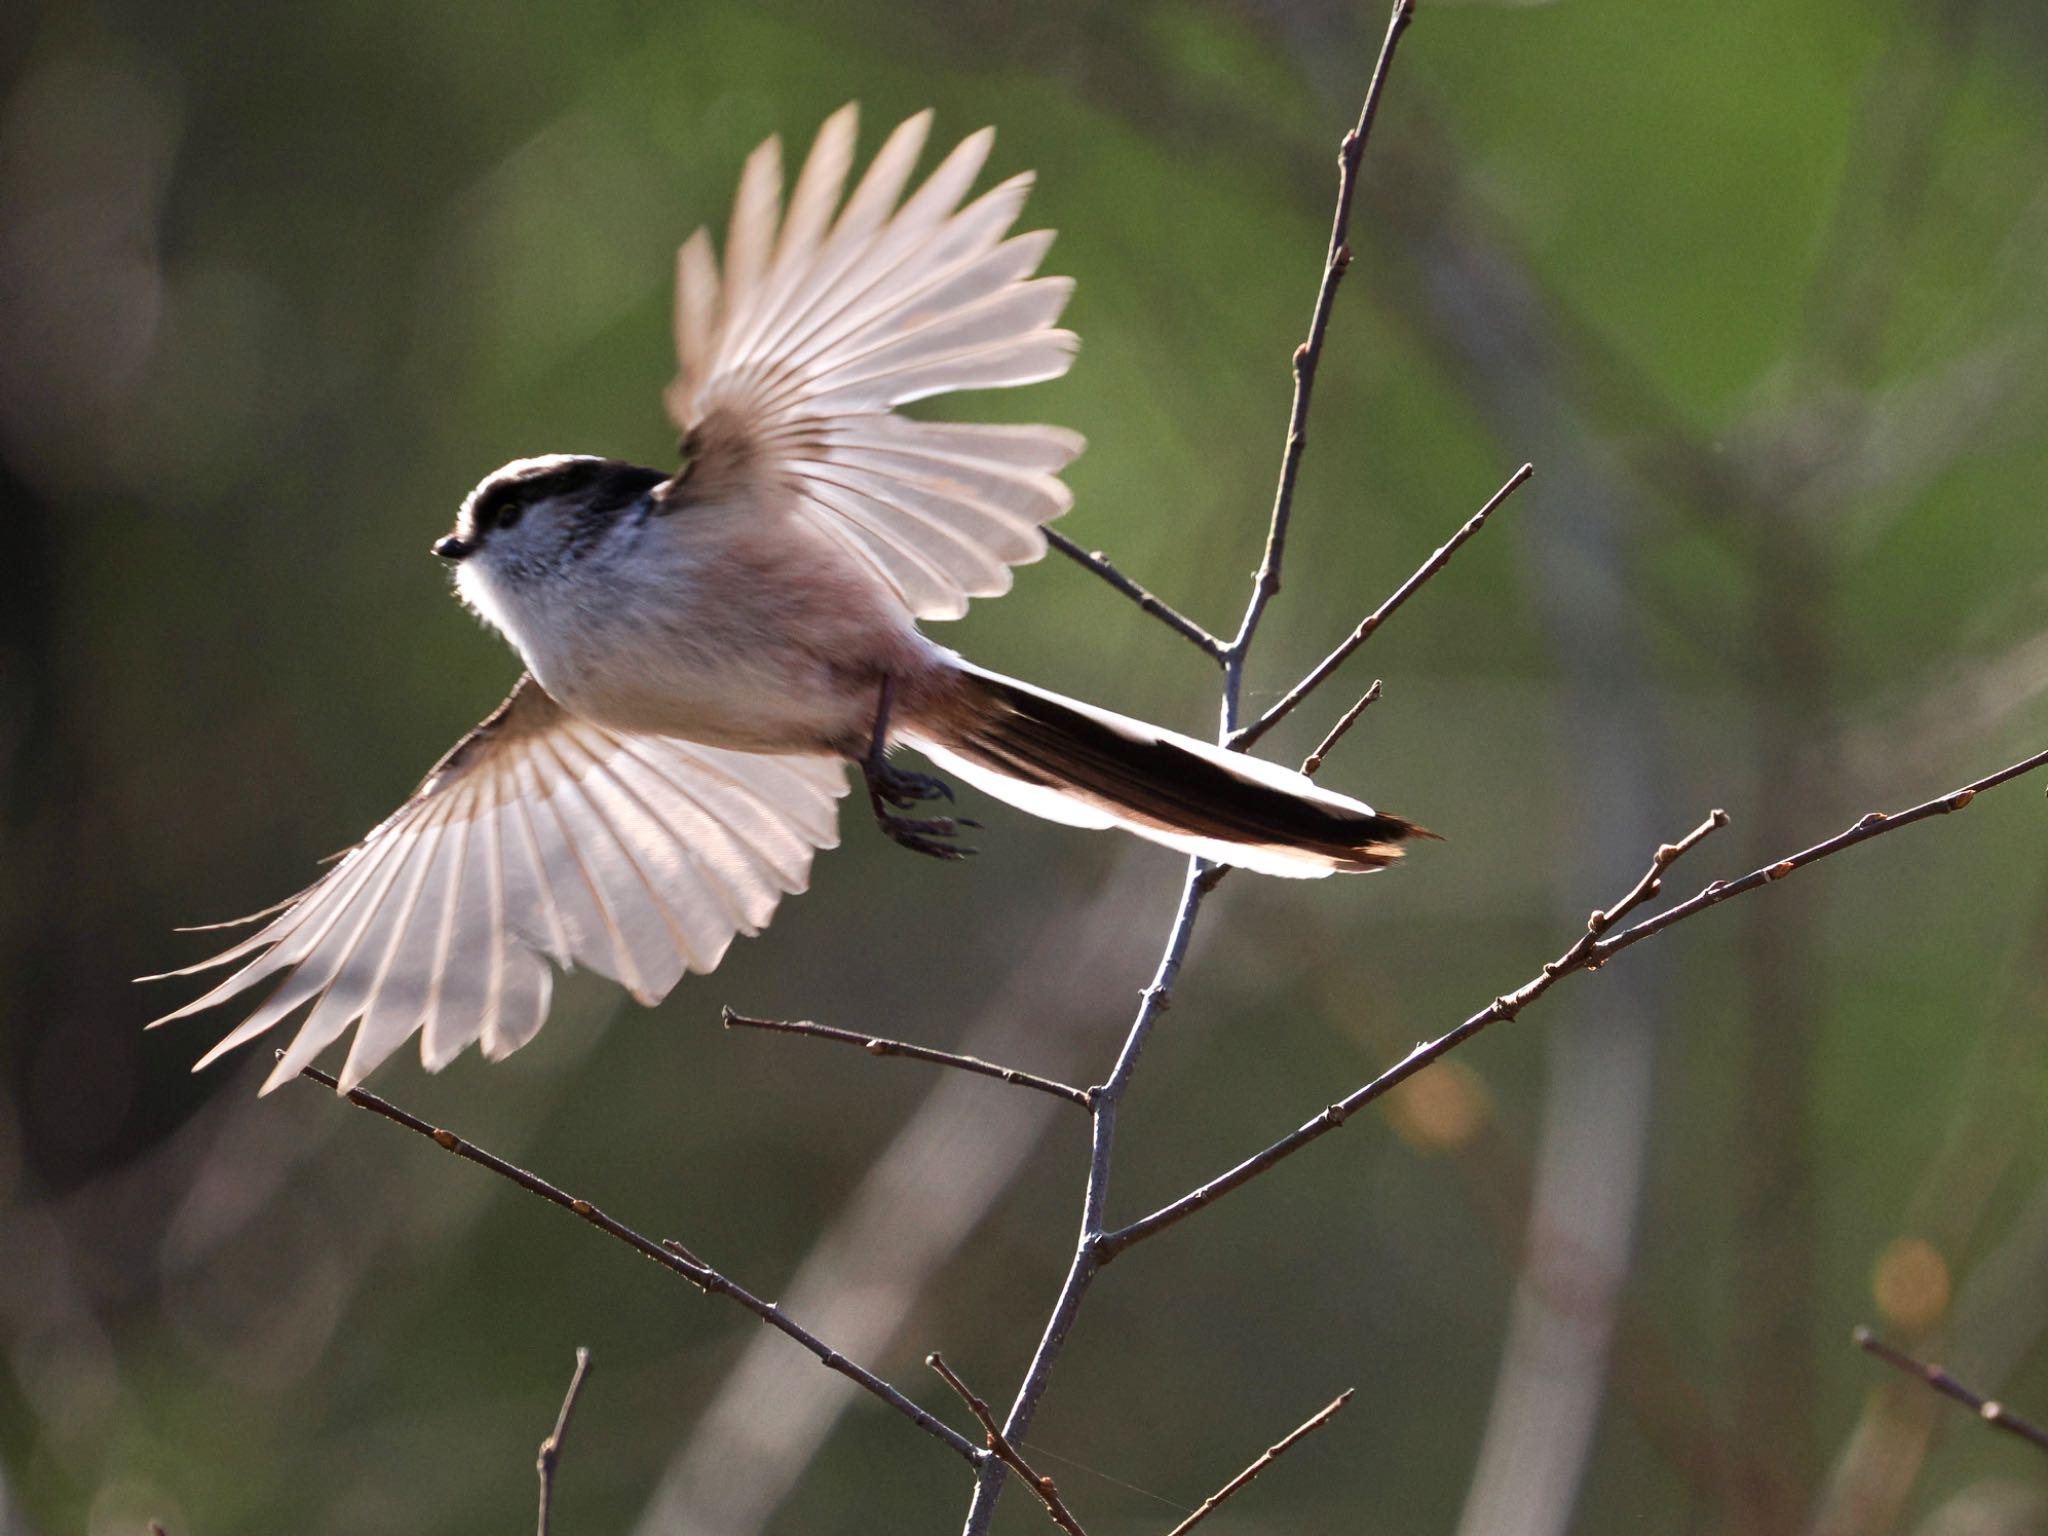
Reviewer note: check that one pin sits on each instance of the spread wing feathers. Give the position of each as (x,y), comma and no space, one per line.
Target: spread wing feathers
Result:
(792,359)
(539,837)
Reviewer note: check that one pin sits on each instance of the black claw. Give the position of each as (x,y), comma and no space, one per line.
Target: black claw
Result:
(927,835)
(903,788)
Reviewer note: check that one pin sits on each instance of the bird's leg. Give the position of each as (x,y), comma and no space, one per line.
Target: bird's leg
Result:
(902,788)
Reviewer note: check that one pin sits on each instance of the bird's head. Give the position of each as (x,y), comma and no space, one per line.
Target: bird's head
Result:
(539,518)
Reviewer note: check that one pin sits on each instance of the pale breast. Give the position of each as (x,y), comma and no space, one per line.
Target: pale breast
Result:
(713,630)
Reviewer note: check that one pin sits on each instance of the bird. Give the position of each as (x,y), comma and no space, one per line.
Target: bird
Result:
(706,650)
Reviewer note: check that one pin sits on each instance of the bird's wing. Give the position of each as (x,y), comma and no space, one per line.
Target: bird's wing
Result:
(793,357)
(539,837)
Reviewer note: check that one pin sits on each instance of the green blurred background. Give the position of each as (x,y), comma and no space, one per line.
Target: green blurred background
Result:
(1759,287)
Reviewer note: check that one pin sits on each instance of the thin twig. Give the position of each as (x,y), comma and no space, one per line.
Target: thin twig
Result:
(1504,1007)
(1266,583)
(1990,1410)
(1592,950)
(675,1259)
(1876,824)
(551,1448)
(1320,672)
(875,1045)
(1272,1454)
(1096,561)
(1048,1492)
(1314,760)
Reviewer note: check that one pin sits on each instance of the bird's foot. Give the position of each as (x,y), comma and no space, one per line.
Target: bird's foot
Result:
(903,788)
(928,835)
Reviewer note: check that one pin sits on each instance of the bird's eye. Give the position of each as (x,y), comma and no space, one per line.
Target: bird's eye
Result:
(508,516)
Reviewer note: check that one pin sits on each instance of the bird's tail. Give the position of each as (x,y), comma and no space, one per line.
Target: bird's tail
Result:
(1071,762)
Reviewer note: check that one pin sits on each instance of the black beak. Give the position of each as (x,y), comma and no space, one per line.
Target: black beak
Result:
(453,549)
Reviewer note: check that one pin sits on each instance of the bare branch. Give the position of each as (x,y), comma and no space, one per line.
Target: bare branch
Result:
(1592,950)
(1272,1454)
(1320,673)
(1506,1006)
(1314,760)
(551,1448)
(1874,825)
(1990,1410)
(1266,583)
(1105,1100)
(674,1258)
(875,1045)
(1048,1493)
(1096,561)
(1082,1268)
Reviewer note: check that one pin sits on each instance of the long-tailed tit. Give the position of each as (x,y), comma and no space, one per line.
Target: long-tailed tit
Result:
(707,650)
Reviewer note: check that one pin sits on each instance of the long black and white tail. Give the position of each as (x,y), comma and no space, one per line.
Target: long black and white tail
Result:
(1086,767)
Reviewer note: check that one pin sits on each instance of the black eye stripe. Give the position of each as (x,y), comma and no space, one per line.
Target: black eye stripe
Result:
(592,488)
